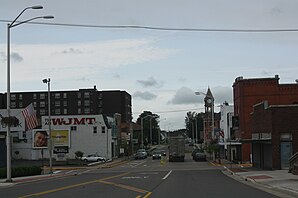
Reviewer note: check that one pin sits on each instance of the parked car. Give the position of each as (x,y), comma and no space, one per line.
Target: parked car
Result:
(199,156)
(195,151)
(140,155)
(93,158)
(158,154)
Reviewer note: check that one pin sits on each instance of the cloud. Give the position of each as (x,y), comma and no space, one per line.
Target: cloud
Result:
(85,60)
(72,51)
(150,82)
(184,96)
(16,57)
(2,57)
(116,76)
(144,95)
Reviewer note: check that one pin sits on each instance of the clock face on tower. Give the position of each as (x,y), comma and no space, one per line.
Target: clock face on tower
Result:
(209,101)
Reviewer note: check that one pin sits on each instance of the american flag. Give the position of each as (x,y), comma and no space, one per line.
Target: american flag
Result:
(30,117)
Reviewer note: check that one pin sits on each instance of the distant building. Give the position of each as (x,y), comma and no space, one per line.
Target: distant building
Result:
(247,93)
(229,147)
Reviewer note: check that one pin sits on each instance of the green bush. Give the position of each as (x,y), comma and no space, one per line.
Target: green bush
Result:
(21,171)
(79,154)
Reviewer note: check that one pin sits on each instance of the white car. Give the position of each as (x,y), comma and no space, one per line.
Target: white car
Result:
(143,151)
(93,158)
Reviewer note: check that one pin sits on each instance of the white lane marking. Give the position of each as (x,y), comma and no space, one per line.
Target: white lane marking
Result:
(138,164)
(167,175)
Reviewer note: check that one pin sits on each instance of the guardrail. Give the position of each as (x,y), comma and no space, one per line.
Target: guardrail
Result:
(292,161)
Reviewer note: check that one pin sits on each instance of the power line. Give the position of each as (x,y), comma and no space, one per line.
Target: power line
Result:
(162,28)
(172,111)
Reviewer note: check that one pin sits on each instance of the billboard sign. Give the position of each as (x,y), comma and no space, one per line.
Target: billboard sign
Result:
(40,138)
(60,138)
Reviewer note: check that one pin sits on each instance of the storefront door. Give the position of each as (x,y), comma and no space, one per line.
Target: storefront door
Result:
(285,154)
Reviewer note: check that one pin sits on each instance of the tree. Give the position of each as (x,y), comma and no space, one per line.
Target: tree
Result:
(194,123)
(150,123)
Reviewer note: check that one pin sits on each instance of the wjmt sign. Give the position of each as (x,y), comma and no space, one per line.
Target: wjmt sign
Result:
(72,121)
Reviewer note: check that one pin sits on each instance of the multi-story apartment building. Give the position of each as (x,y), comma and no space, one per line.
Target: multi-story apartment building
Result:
(247,93)
(79,102)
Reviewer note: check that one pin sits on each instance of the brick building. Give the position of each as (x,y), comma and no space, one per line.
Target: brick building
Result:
(76,102)
(247,93)
(274,135)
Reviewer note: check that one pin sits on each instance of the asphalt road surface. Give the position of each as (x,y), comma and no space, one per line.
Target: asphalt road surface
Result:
(140,178)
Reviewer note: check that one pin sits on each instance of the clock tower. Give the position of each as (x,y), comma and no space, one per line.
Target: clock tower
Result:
(209,117)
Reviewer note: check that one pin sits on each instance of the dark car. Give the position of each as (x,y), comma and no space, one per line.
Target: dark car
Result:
(158,154)
(199,156)
(140,155)
(195,151)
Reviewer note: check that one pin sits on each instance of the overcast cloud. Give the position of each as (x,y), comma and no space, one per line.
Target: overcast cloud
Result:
(160,69)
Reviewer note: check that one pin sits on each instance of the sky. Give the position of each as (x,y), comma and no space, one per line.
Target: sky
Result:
(161,69)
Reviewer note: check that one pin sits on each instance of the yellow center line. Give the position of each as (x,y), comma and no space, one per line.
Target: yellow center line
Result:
(125,187)
(72,186)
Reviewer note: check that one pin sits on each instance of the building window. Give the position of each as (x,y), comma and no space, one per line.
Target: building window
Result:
(79,95)
(65,103)
(34,96)
(57,112)
(95,130)
(57,95)
(12,97)
(79,103)
(13,104)
(57,103)
(42,96)
(21,104)
(103,129)
(35,104)
(42,112)
(64,111)
(64,95)
(20,96)
(73,128)
(87,103)
(79,110)
(86,95)
(87,110)
(100,96)
(42,104)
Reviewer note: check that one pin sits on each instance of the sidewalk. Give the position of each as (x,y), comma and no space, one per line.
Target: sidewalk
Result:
(277,180)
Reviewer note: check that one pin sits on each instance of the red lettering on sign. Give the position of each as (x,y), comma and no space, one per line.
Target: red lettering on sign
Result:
(79,122)
(73,121)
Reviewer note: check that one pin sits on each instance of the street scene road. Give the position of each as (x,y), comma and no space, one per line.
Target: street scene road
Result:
(140,178)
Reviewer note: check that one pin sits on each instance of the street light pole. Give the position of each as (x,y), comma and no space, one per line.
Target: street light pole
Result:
(50,146)
(14,23)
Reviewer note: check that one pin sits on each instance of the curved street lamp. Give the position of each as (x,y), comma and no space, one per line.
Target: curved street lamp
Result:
(14,23)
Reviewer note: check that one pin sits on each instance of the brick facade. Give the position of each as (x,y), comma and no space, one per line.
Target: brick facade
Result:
(278,121)
(248,92)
